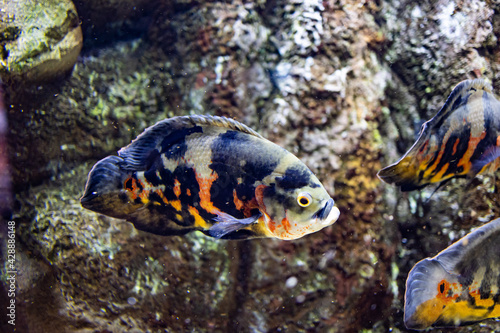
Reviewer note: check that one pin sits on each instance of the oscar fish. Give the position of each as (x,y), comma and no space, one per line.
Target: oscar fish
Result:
(460,285)
(210,174)
(462,140)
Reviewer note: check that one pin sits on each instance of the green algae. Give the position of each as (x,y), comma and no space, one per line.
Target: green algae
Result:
(33,30)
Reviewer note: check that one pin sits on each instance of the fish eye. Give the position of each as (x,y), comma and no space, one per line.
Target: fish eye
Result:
(304,199)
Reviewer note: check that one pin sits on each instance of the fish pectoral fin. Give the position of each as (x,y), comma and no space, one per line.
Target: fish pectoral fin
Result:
(227,223)
(488,156)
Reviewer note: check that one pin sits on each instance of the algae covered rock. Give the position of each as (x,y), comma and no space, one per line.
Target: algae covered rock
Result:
(39,40)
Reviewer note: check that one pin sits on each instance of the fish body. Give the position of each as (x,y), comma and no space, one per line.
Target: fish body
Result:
(460,285)
(210,174)
(462,140)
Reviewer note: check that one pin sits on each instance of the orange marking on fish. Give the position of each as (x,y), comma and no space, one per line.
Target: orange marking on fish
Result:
(198,220)
(259,196)
(134,191)
(161,195)
(455,146)
(246,206)
(443,289)
(237,202)
(176,204)
(439,176)
(431,168)
(286,224)
(144,195)
(177,188)
(486,302)
(473,142)
(271,225)
(249,205)
(131,187)
(188,192)
(205,197)
(498,141)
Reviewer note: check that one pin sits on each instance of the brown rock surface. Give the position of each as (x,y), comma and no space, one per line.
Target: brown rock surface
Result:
(343,85)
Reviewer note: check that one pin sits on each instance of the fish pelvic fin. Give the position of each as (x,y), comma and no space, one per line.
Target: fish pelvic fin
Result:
(227,224)
(104,189)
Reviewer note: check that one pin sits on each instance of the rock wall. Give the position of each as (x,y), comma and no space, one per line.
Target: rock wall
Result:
(344,85)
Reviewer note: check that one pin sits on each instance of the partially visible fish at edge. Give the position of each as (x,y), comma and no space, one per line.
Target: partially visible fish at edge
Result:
(460,285)
(462,140)
(210,174)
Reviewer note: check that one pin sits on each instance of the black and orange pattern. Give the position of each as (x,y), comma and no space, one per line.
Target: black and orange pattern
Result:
(462,140)
(210,174)
(460,285)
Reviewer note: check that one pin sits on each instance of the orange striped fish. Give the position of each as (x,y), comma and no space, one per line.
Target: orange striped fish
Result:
(210,174)
(462,140)
(460,285)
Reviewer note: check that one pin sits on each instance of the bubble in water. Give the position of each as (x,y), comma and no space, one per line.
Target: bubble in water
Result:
(291,282)
(300,299)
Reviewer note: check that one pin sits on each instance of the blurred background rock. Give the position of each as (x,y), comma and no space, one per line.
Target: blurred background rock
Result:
(344,85)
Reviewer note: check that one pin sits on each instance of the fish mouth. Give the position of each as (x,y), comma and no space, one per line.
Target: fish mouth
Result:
(329,213)
(88,196)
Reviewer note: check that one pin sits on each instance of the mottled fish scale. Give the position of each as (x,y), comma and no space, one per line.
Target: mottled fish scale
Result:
(211,174)
(463,139)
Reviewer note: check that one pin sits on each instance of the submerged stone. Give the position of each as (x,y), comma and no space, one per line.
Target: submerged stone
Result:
(39,40)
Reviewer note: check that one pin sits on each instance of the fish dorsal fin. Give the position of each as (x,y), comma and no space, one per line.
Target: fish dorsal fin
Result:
(472,250)
(221,122)
(140,153)
(456,96)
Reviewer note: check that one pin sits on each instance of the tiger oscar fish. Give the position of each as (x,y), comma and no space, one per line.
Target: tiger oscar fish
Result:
(462,140)
(460,285)
(211,174)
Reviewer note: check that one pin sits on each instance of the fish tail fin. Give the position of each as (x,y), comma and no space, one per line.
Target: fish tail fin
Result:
(401,174)
(104,191)
(425,281)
